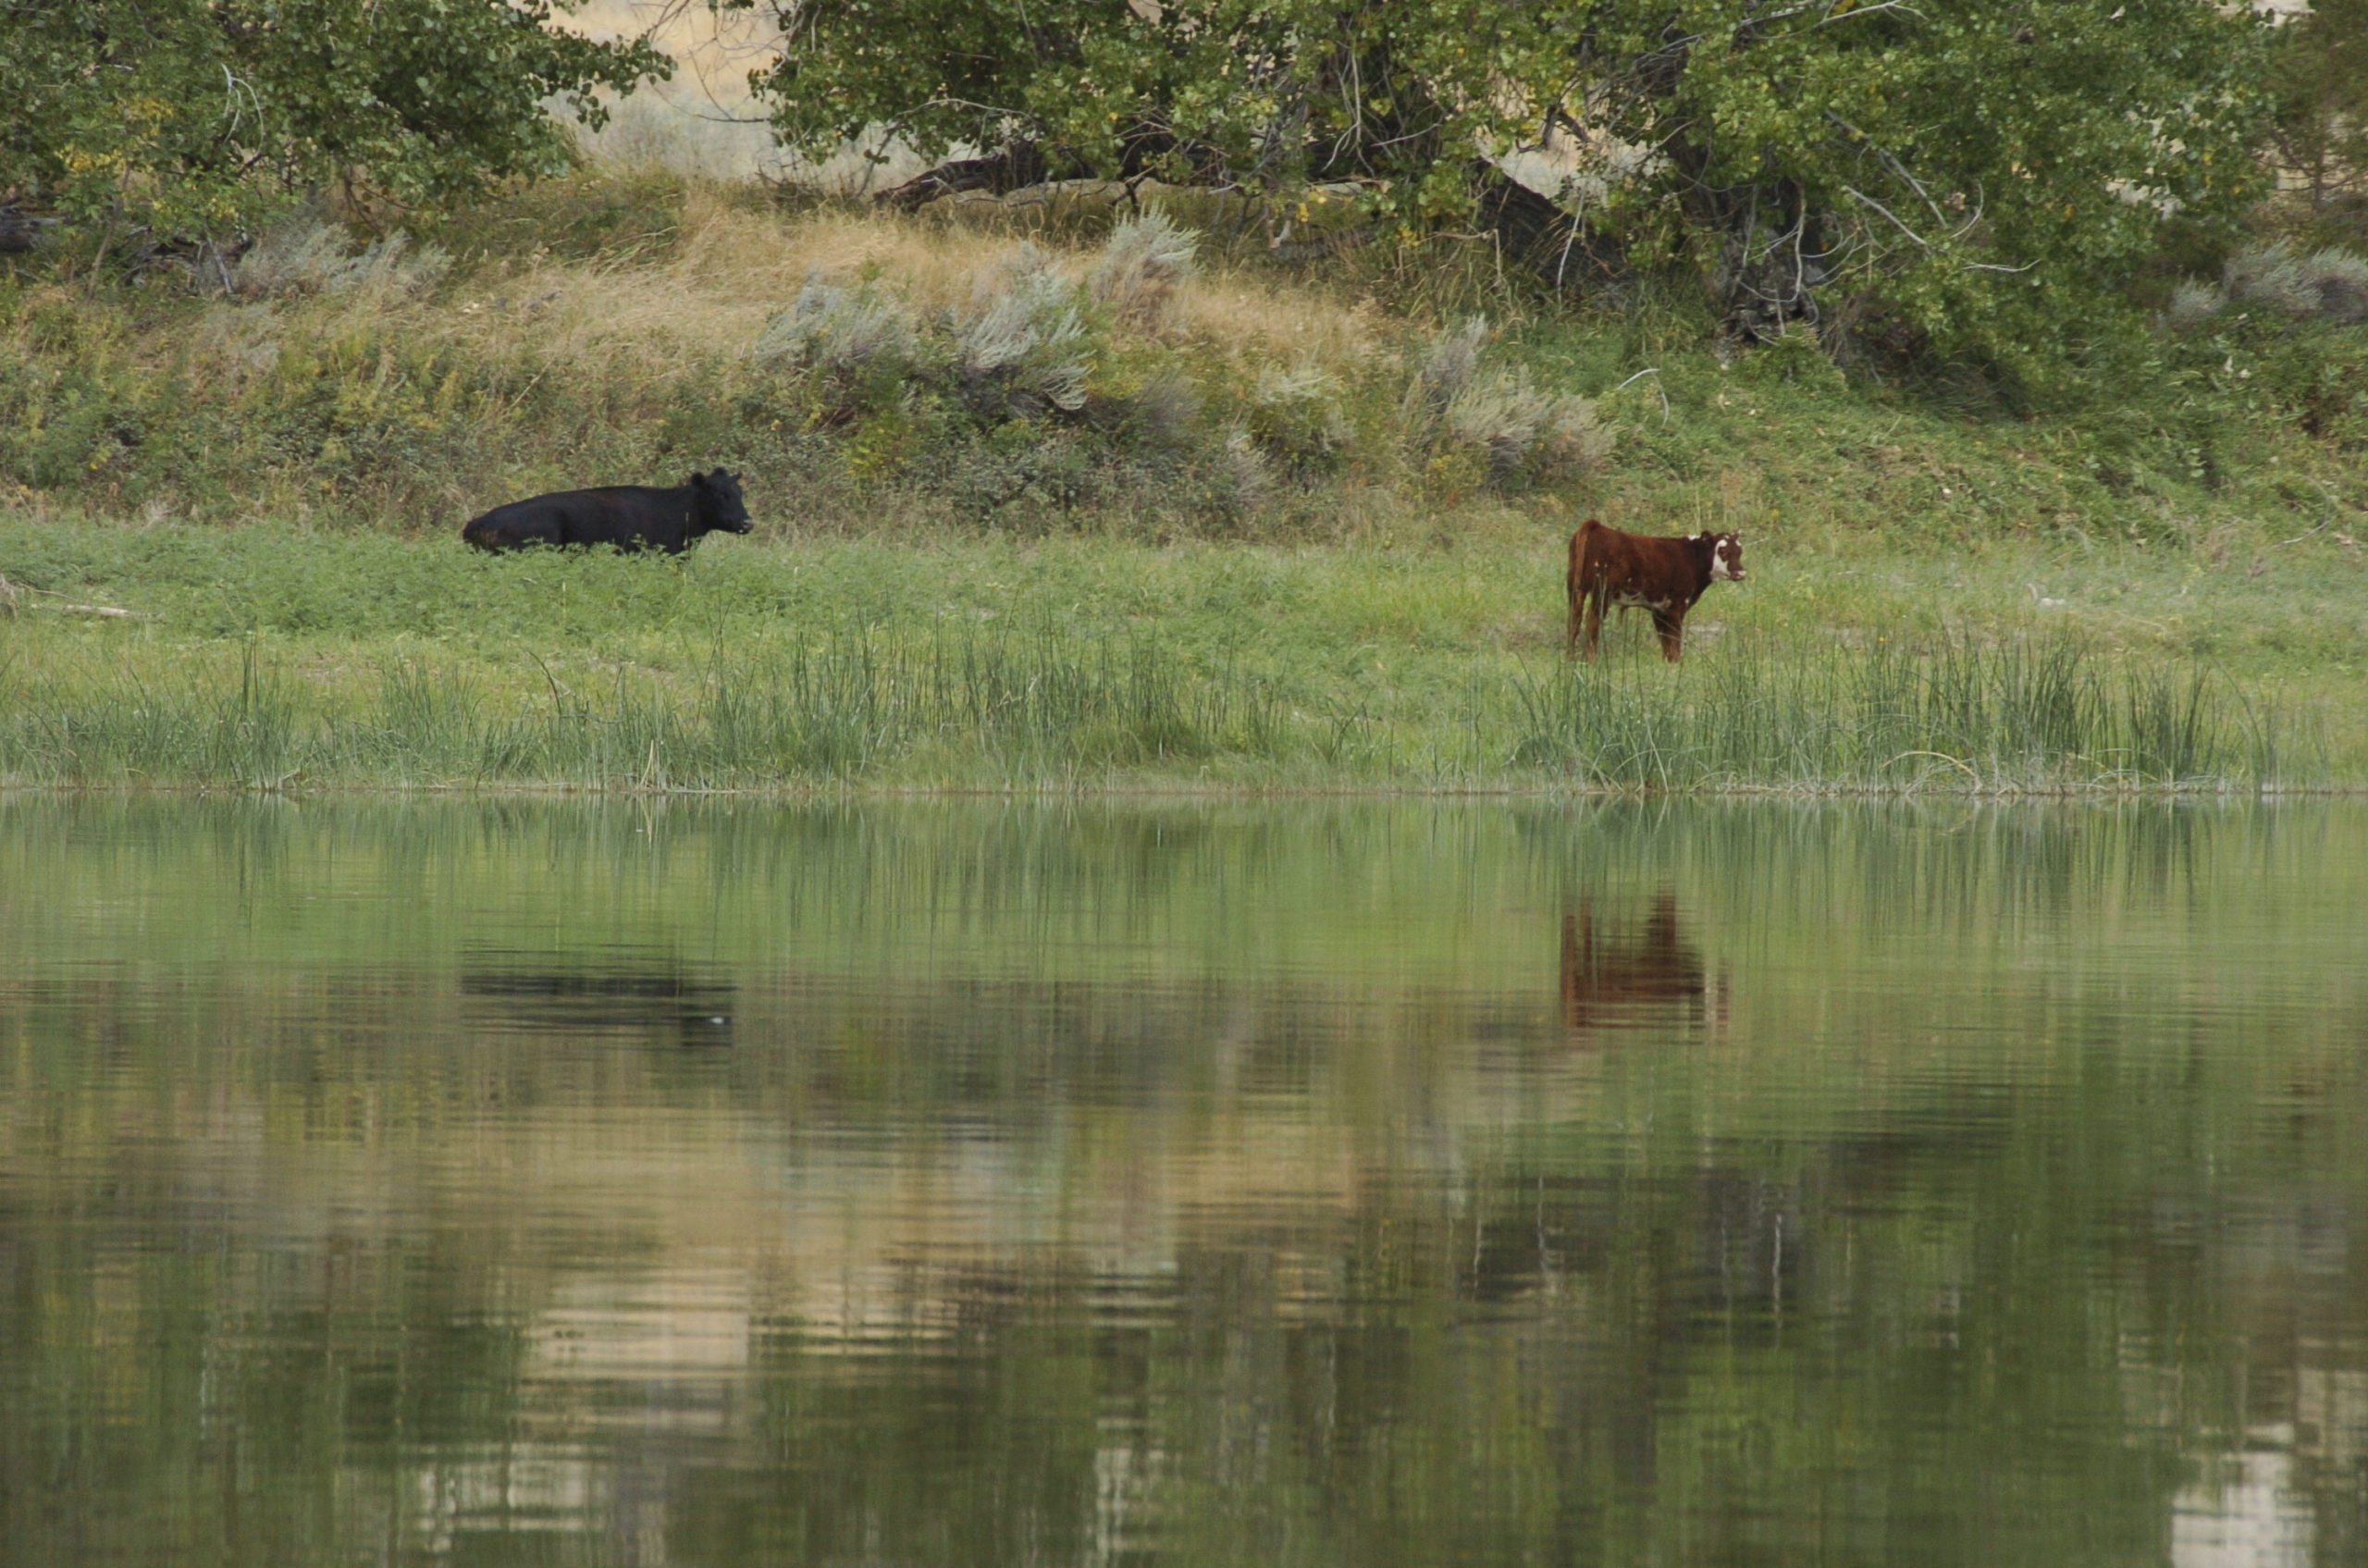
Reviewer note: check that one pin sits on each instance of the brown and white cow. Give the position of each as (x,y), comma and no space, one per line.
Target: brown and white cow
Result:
(1636,571)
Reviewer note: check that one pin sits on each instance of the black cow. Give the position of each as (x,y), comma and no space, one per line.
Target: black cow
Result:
(631,517)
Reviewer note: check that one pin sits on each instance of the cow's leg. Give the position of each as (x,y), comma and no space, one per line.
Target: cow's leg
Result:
(1670,624)
(1594,620)
(1570,637)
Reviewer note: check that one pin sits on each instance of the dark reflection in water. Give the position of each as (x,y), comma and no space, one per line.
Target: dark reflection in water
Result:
(1392,1184)
(598,992)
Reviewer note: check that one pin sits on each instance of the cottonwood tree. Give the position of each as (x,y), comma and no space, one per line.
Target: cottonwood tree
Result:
(191,116)
(1978,174)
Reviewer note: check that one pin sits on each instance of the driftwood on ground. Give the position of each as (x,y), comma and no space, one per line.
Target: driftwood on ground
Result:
(14,598)
(112,612)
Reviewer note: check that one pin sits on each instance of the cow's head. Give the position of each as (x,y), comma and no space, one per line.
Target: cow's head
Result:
(1726,556)
(716,503)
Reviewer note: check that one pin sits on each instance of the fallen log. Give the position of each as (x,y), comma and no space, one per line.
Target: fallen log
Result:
(1016,166)
(21,231)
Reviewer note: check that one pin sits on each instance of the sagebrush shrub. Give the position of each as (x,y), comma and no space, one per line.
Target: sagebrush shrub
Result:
(1515,429)
(2331,284)
(857,349)
(1141,263)
(1243,481)
(1025,343)
(1446,371)
(838,329)
(311,257)
(2193,302)
(1525,432)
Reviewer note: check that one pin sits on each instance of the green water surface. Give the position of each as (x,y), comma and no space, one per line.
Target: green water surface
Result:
(1377,1183)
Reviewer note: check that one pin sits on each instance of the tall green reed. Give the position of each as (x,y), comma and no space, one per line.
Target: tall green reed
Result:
(1948,711)
(1048,707)
(984,709)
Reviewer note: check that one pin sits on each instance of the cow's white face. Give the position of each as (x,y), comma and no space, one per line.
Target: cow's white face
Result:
(1726,558)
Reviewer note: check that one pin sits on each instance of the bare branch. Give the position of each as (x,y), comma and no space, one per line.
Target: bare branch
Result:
(1920,241)
(1833,16)
(1894,166)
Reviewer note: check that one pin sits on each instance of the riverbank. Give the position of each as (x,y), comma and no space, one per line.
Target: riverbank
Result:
(1045,502)
(269,656)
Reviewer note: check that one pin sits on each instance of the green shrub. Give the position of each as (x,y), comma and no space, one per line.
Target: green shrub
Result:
(1295,420)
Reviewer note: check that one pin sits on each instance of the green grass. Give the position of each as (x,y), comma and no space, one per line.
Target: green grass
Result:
(275,658)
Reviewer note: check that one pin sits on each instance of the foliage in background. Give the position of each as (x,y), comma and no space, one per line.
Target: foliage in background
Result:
(193,118)
(1982,179)
(2320,130)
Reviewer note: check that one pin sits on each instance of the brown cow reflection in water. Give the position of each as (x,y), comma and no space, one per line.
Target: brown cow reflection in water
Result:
(1634,975)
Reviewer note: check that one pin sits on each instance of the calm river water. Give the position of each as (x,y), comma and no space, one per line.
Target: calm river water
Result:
(1363,1184)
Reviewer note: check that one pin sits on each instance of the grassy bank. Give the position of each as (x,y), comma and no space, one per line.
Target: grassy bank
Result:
(269,656)
(998,368)
(1037,509)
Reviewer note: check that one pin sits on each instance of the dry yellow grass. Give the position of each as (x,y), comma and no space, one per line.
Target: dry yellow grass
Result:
(1255,315)
(732,268)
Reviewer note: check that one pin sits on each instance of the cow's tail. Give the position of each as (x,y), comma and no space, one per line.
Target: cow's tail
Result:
(1579,588)
(1574,581)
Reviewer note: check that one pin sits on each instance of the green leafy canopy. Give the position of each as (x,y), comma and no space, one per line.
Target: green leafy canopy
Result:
(194,115)
(1975,172)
